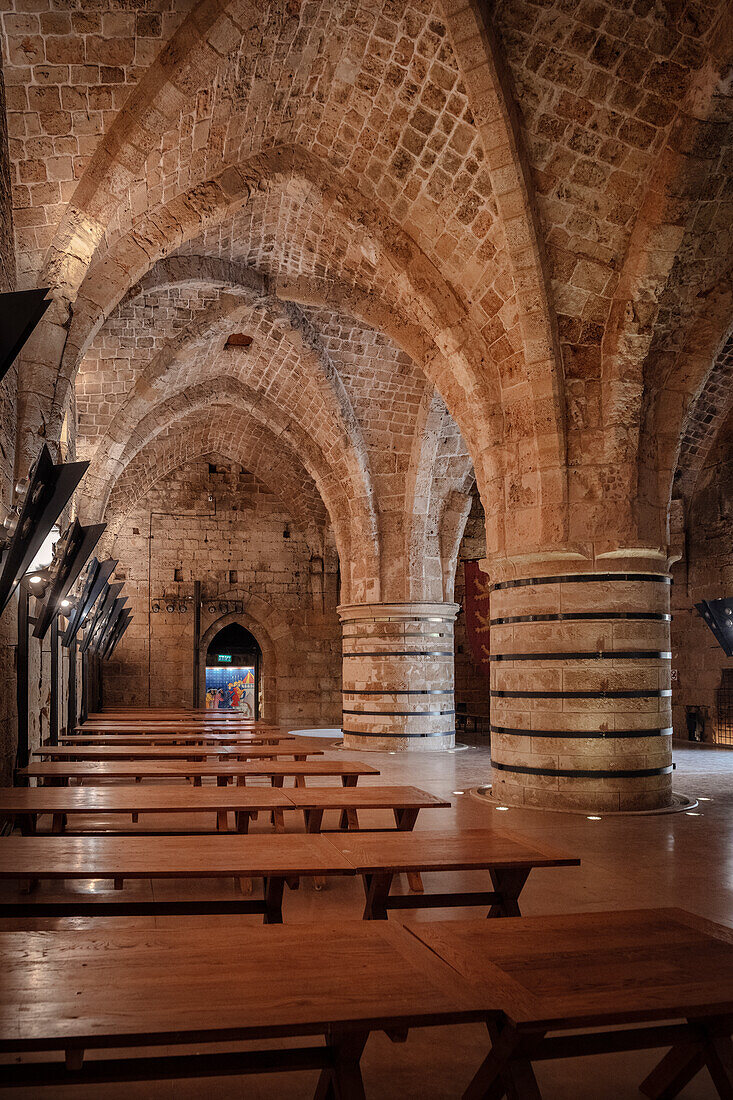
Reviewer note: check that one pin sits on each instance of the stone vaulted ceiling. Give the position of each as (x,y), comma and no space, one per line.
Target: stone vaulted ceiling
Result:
(466,240)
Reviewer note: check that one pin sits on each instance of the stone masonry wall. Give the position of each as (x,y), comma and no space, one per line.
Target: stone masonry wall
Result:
(705,572)
(213,521)
(7,456)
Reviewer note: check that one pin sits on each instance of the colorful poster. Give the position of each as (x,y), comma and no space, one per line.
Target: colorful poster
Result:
(231,688)
(477,614)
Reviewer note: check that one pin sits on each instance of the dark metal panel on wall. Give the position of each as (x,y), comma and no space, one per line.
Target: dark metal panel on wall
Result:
(21,759)
(196,643)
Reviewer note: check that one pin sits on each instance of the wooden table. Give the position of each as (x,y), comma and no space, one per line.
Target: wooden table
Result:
(620,981)
(273,858)
(209,738)
(25,804)
(183,987)
(300,749)
(378,857)
(276,770)
(374,856)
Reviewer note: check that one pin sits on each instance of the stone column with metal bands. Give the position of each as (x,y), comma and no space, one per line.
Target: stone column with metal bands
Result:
(581,708)
(398,676)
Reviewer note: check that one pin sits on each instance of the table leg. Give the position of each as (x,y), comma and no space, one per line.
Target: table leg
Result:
(343,1081)
(503,1069)
(510,885)
(57,823)
(274,900)
(222,821)
(676,1069)
(376,888)
(345,821)
(313,821)
(241,819)
(405,819)
(719,1059)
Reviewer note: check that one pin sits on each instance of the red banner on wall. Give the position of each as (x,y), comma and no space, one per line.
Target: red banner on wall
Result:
(477,614)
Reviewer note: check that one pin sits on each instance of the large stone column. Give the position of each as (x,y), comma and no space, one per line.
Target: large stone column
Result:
(398,676)
(580,687)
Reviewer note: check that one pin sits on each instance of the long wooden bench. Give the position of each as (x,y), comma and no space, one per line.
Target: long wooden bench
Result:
(276,770)
(23,805)
(374,856)
(600,983)
(66,993)
(300,748)
(209,738)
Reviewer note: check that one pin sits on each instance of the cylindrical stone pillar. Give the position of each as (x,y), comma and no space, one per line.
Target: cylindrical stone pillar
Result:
(580,691)
(398,676)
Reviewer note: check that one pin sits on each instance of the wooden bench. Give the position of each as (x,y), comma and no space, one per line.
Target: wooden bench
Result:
(300,748)
(275,770)
(618,981)
(23,805)
(378,857)
(209,738)
(66,993)
(374,856)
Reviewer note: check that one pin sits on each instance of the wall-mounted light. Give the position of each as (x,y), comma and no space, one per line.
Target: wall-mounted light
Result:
(170,608)
(212,609)
(155,608)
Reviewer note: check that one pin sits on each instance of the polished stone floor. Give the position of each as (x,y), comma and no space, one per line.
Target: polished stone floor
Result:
(627,862)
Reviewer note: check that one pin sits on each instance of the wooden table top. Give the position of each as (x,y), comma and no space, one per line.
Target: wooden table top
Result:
(142,798)
(183,798)
(177,752)
(187,985)
(444,851)
(224,855)
(590,969)
(119,769)
(208,738)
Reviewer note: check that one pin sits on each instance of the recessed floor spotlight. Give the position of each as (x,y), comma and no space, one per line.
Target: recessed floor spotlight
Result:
(502,807)
(458,792)
(703,798)
(692,813)
(594,817)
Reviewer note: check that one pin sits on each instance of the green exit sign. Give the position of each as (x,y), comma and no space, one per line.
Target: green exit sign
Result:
(224,658)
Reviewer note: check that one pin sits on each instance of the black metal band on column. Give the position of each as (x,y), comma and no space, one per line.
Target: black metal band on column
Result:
(583,578)
(589,655)
(602,735)
(640,693)
(400,734)
(584,616)
(571,773)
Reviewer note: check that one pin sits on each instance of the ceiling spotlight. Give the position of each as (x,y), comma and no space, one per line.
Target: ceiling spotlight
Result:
(182,607)
(66,603)
(36,579)
(212,609)
(170,608)
(21,487)
(155,608)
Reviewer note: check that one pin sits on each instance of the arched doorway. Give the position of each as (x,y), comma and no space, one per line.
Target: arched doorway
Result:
(233,661)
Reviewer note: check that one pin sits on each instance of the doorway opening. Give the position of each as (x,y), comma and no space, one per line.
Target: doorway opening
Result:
(233,662)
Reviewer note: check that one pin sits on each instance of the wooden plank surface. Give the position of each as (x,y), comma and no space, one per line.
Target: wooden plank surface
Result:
(179,986)
(109,857)
(118,769)
(183,798)
(592,969)
(425,850)
(212,738)
(143,798)
(297,746)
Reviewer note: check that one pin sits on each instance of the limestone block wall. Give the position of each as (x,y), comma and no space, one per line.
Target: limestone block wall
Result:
(213,521)
(705,572)
(580,691)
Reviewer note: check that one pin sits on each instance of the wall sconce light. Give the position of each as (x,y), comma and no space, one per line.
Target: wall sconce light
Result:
(170,608)
(155,608)
(212,609)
